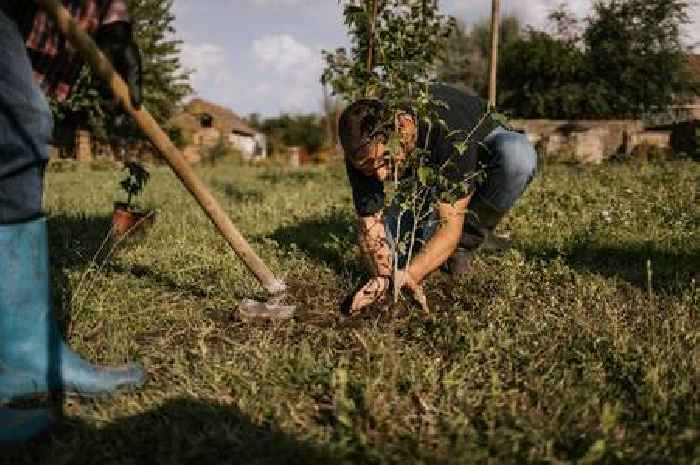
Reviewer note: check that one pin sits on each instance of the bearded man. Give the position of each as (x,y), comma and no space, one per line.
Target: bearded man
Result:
(450,230)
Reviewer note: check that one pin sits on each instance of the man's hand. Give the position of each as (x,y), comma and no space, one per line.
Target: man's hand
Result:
(117,42)
(404,280)
(374,292)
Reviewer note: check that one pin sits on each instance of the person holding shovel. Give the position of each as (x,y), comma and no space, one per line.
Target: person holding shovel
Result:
(451,233)
(34,359)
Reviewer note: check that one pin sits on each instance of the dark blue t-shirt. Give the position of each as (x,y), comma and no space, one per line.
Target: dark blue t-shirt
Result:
(461,112)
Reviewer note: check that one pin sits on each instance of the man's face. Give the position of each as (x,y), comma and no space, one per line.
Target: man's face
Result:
(379,163)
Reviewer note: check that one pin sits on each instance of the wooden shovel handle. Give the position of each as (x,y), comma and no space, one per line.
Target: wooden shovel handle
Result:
(82,42)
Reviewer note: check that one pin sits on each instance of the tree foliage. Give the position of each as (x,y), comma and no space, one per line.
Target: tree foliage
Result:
(542,76)
(465,64)
(397,46)
(307,131)
(625,60)
(165,82)
(635,55)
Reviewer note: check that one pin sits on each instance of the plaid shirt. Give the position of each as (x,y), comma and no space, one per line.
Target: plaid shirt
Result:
(56,65)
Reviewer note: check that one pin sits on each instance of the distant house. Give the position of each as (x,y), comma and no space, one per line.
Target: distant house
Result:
(204,125)
(250,143)
(691,111)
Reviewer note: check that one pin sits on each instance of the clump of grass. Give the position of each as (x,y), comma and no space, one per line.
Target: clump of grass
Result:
(560,350)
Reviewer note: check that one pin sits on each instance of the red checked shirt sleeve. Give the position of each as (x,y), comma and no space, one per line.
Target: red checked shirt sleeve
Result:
(56,65)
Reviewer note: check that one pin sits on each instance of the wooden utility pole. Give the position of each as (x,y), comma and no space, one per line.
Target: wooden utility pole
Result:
(327,104)
(371,28)
(495,35)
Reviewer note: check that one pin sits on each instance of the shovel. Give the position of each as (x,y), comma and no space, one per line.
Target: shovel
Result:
(248,309)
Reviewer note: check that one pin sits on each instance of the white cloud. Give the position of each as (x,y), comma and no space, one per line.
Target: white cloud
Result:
(290,66)
(283,53)
(209,62)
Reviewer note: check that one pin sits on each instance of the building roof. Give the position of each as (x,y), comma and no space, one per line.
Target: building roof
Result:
(225,120)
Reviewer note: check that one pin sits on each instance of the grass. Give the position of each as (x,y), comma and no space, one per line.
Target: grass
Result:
(579,345)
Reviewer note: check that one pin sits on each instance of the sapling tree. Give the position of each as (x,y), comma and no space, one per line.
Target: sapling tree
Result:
(136,179)
(396,47)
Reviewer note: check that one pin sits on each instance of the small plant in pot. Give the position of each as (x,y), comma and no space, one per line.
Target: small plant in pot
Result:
(127,217)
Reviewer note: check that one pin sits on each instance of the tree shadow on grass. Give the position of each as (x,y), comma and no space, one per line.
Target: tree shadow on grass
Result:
(74,242)
(79,241)
(325,239)
(289,177)
(181,431)
(75,239)
(671,272)
(236,193)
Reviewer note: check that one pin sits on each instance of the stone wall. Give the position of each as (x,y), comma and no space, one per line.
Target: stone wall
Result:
(589,141)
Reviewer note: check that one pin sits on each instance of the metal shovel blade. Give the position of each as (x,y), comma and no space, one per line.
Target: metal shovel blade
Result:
(250,310)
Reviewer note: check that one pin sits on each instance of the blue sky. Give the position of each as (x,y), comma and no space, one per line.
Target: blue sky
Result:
(264,55)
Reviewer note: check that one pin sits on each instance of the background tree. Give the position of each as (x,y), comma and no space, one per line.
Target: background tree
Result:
(635,55)
(466,60)
(542,76)
(564,24)
(625,62)
(307,131)
(165,82)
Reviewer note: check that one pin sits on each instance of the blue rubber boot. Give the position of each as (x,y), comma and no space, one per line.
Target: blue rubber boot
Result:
(34,360)
(17,426)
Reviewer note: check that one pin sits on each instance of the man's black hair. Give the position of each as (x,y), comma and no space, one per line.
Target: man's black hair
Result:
(360,124)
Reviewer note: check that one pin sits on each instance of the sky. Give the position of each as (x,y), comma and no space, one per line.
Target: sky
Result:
(264,56)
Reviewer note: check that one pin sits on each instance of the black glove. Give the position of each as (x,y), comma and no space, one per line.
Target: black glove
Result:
(117,42)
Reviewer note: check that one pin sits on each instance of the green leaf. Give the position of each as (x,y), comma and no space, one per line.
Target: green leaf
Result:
(461,147)
(426,175)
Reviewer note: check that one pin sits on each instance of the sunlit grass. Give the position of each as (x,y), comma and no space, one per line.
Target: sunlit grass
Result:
(579,344)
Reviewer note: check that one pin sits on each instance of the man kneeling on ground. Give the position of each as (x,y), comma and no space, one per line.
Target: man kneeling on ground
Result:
(507,158)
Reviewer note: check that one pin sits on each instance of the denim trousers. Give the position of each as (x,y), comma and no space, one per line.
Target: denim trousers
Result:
(25,130)
(509,161)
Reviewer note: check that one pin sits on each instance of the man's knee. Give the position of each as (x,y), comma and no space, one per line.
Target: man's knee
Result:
(517,156)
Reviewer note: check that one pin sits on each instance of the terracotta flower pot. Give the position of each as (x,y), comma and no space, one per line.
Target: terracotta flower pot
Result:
(126,221)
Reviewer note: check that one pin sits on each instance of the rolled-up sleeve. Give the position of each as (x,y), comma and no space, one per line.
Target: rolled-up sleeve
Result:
(367,192)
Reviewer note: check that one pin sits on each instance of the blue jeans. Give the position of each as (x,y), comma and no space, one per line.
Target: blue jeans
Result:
(25,130)
(510,162)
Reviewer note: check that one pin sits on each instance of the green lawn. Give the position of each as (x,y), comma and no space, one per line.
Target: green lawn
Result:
(564,349)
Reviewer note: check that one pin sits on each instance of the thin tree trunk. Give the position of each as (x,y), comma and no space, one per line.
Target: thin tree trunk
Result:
(495,35)
(371,28)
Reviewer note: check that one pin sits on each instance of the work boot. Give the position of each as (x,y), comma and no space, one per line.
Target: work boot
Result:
(34,360)
(496,243)
(478,232)
(17,426)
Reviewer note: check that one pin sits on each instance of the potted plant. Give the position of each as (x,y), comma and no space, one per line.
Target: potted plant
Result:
(127,217)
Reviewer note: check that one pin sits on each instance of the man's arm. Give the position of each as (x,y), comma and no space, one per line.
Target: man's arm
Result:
(374,245)
(377,254)
(443,243)
(116,39)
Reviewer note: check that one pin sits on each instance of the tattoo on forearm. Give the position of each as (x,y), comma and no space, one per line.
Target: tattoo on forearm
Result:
(374,246)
